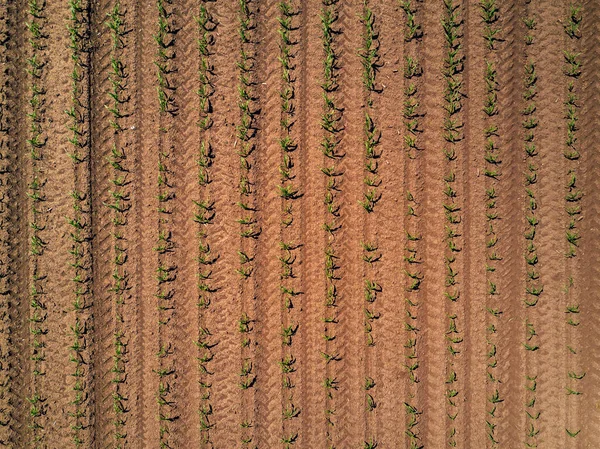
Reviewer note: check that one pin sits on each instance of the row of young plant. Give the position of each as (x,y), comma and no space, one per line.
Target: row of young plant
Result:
(119,203)
(80,234)
(412,259)
(249,230)
(204,217)
(6,273)
(533,285)
(573,196)
(452,134)
(288,192)
(369,56)
(36,145)
(492,171)
(165,371)
(330,123)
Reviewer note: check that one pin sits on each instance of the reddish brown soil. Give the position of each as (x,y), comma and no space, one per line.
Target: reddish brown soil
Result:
(183,353)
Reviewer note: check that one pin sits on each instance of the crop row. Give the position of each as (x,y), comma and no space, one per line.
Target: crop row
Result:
(331,125)
(452,134)
(492,171)
(288,193)
(414,278)
(118,203)
(370,59)
(249,230)
(573,196)
(533,284)
(166,370)
(6,273)
(80,235)
(36,144)
(204,217)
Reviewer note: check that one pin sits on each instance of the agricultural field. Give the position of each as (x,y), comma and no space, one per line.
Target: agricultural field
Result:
(308,224)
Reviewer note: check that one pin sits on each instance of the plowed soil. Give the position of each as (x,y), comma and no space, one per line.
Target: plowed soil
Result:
(300,224)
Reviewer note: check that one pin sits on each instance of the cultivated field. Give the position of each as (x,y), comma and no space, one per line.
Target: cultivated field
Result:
(303,224)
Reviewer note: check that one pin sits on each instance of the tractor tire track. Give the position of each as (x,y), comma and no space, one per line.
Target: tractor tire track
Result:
(350,403)
(550,393)
(225,380)
(268,397)
(388,371)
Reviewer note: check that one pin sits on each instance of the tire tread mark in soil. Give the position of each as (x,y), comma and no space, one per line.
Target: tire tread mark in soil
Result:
(550,382)
(309,60)
(101,140)
(475,236)
(432,364)
(193,294)
(146,342)
(268,396)
(184,183)
(351,406)
(510,268)
(227,431)
(57,169)
(388,366)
